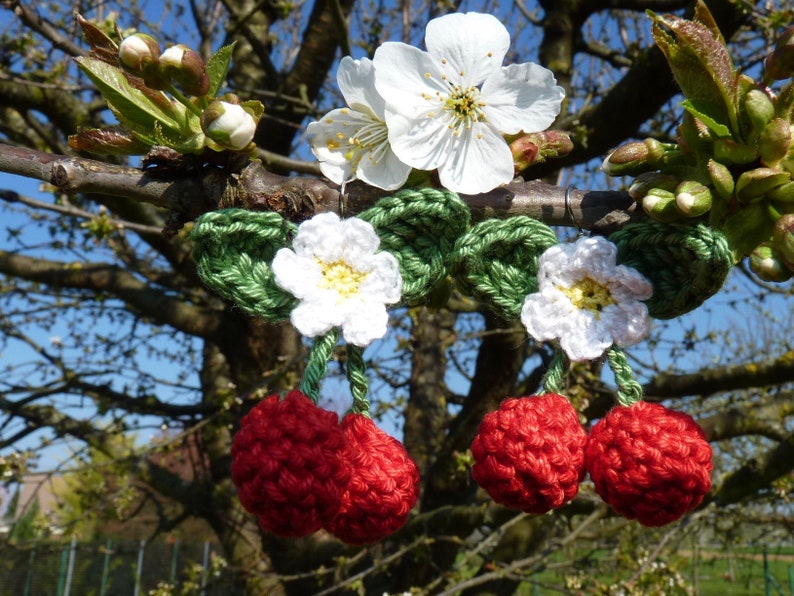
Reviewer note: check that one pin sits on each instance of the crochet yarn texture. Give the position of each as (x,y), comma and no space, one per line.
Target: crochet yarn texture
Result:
(233,249)
(383,487)
(289,464)
(419,227)
(649,463)
(529,454)
(497,261)
(686,264)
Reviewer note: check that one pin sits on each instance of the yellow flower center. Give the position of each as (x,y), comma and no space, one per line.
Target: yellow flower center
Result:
(589,294)
(342,278)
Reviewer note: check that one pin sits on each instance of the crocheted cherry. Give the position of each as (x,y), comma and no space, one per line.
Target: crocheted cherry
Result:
(529,454)
(383,487)
(649,463)
(288,464)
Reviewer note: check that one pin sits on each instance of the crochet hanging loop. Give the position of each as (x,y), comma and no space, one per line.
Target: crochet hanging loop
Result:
(356,370)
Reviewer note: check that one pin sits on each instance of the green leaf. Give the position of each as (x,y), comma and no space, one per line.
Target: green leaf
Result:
(134,108)
(700,63)
(700,110)
(748,227)
(218,66)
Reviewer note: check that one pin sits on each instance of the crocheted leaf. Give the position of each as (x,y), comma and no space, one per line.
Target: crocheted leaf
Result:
(686,264)
(419,227)
(233,251)
(497,261)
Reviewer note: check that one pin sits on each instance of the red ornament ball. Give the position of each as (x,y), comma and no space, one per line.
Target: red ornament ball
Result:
(288,464)
(649,463)
(383,487)
(529,454)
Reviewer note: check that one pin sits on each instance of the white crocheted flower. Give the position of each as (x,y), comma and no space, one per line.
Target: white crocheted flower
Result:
(587,301)
(449,107)
(339,278)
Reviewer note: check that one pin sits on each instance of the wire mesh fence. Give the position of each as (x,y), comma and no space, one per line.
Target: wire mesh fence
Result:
(111,568)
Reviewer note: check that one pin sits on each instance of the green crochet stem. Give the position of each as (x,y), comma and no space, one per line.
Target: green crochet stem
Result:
(629,390)
(317,365)
(357,377)
(555,374)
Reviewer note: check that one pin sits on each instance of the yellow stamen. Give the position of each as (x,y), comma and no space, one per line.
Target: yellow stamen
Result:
(340,276)
(588,294)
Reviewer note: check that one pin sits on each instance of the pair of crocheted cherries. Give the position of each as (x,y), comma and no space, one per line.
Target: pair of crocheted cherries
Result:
(649,463)
(299,470)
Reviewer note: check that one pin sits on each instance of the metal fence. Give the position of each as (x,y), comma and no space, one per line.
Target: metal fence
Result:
(109,568)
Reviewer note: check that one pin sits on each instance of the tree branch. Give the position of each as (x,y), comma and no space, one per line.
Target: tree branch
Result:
(138,294)
(774,371)
(299,198)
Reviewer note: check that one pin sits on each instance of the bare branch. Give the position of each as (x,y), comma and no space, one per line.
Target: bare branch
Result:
(299,198)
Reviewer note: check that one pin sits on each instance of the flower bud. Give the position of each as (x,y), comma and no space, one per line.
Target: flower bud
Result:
(779,65)
(645,182)
(728,151)
(660,205)
(766,263)
(186,68)
(774,142)
(722,179)
(692,198)
(759,110)
(537,147)
(634,158)
(783,195)
(753,185)
(138,50)
(229,125)
(783,239)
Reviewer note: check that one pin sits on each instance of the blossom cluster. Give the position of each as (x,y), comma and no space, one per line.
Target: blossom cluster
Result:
(446,109)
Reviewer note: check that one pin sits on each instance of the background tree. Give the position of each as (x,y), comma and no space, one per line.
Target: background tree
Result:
(107,329)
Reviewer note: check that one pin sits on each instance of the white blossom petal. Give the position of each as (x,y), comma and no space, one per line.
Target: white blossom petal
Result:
(473,45)
(522,97)
(479,162)
(356,82)
(365,322)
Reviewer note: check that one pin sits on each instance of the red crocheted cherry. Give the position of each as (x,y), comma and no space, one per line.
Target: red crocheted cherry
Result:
(529,454)
(383,488)
(649,463)
(288,464)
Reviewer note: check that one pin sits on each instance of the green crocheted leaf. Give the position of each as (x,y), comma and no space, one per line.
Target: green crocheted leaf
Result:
(419,227)
(497,261)
(233,249)
(686,264)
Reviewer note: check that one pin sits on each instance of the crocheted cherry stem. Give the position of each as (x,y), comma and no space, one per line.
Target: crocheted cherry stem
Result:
(317,364)
(529,454)
(289,464)
(649,463)
(383,488)
(357,378)
(629,390)
(555,373)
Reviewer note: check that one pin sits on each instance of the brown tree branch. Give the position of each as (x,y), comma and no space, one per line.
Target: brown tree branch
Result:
(774,371)
(299,198)
(136,293)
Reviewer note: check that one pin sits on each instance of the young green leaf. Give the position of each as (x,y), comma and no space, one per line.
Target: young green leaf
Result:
(218,66)
(132,106)
(701,65)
